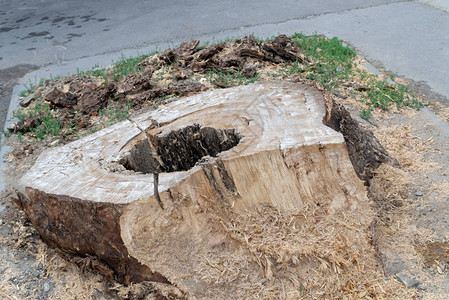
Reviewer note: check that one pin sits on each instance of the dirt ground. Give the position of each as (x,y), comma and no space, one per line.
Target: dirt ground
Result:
(410,200)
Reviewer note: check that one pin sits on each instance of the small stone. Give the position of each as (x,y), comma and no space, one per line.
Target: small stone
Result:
(407,281)
(414,261)
(40,266)
(447,199)
(419,193)
(46,287)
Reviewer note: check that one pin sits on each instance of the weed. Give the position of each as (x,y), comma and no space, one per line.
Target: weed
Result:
(382,94)
(392,75)
(19,137)
(25,92)
(19,114)
(93,129)
(331,61)
(217,42)
(332,64)
(55,77)
(227,78)
(31,87)
(127,66)
(6,133)
(47,122)
(114,113)
(365,113)
(95,71)
(325,50)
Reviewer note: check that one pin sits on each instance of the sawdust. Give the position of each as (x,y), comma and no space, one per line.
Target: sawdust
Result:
(388,188)
(407,148)
(442,187)
(303,254)
(309,253)
(440,110)
(435,254)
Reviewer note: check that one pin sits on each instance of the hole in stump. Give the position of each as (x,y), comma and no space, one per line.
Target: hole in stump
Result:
(179,150)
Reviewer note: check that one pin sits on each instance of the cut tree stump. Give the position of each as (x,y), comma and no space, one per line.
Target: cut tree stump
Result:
(232,165)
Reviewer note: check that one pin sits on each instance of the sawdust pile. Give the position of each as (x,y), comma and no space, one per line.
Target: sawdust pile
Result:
(406,148)
(388,188)
(440,110)
(305,250)
(300,254)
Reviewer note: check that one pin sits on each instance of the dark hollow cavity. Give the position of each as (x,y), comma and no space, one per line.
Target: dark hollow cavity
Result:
(179,150)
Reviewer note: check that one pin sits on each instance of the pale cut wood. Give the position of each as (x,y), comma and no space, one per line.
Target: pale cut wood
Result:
(277,152)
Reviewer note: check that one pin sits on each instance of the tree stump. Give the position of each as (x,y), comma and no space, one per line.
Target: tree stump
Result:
(256,193)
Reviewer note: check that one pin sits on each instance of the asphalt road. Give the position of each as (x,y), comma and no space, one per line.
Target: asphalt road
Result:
(59,36)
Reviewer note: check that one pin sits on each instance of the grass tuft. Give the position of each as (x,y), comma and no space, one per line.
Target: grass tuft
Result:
(332,64)
(48,124)
(31,87)
(231,77)
(331,60)
(126,66)
(114,113)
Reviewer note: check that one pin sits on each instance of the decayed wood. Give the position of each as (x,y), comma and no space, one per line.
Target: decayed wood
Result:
(218,154)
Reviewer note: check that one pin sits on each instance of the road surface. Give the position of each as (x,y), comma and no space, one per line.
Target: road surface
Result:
(57,37)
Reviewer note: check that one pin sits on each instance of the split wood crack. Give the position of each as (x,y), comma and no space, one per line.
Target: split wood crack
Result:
(156,168)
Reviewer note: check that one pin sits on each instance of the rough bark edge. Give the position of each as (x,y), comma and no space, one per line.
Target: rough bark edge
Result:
(84,228)
(364,149)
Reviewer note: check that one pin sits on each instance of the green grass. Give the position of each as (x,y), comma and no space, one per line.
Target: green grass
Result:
(227,78)
(126,66)
(114,113)
(217,42)
(330,60)
(325,50)
(19,114)
(123,67)
(383,95)
(6,133)
(95,71)
(331,64)
(32,86)
(47,123)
